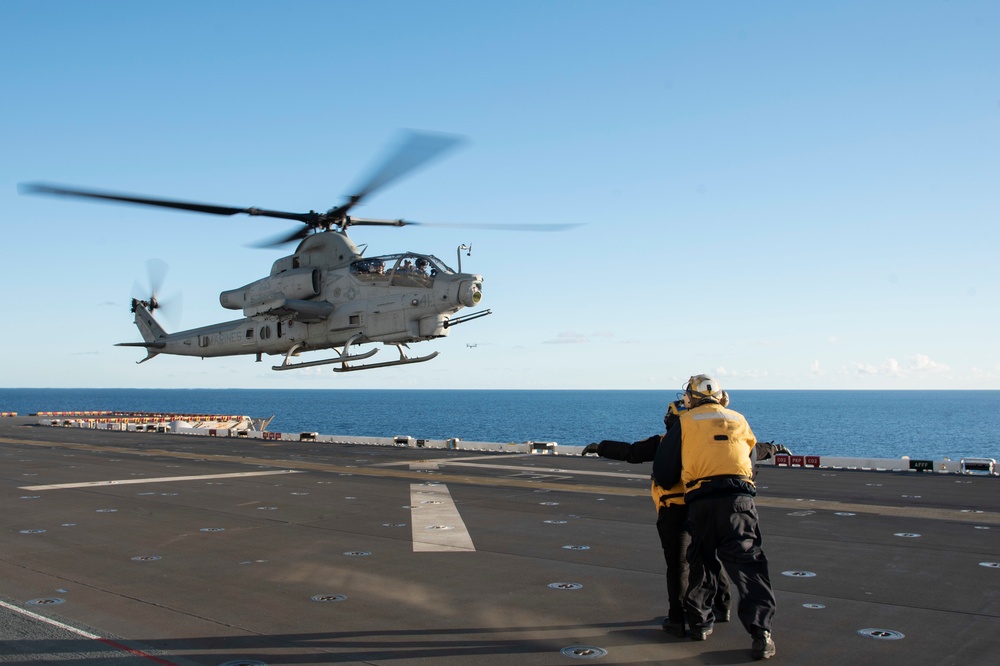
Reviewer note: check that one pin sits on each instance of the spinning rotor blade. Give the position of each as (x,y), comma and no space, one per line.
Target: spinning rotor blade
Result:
(156,269)
(149,296)
(361,221)
(278,241)
(156,273)
(415,149)
(171,308)
(42,188)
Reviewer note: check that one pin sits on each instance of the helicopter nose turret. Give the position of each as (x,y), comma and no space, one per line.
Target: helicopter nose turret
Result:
(470,292)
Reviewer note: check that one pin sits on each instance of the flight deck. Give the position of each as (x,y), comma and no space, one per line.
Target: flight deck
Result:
(145,548)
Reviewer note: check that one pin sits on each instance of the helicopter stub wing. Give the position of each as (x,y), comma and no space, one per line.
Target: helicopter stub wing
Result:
(305,311)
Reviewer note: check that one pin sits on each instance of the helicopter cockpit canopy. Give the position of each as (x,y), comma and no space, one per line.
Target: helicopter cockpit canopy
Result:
(400,270)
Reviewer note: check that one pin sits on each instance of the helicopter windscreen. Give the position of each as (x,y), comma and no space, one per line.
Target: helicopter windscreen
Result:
(414,271)
(370,270)
(400,270)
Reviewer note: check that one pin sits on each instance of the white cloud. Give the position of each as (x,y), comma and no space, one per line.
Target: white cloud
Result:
(889,367)
(893,368)
(815,369)
(922,363)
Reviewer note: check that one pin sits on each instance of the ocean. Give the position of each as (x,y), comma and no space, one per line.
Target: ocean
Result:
(869,424)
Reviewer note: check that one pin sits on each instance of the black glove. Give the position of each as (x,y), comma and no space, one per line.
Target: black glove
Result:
(590,448)
(781,448)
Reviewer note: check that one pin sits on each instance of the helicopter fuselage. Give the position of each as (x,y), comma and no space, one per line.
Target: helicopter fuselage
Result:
(327,295)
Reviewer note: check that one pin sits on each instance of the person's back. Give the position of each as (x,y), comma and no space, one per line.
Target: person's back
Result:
(716,469)
(715,448)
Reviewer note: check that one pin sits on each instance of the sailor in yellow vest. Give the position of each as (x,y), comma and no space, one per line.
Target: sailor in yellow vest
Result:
(671,524)
(709,450)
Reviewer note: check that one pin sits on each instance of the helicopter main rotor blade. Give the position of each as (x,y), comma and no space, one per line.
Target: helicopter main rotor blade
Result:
(504,227)
(300,234)
(372,222)
(415,150)
(363,221)
(277,241)
(42,188)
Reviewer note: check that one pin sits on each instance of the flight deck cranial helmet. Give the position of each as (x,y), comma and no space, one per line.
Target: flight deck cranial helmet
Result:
(703,388)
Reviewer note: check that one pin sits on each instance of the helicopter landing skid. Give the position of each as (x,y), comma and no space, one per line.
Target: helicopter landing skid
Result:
(343,358)
(402,360)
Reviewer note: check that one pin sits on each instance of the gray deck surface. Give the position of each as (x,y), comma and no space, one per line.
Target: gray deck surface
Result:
(328,564)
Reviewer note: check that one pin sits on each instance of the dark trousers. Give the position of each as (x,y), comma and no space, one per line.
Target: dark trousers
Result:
(675,537)
(725,528)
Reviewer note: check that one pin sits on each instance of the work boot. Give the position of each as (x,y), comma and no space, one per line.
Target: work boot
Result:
(700,634)
(674,628)
(762,646)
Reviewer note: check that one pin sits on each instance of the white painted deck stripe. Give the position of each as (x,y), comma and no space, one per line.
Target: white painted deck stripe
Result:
(437,525)
(85,634)
(162,479)
(642,473)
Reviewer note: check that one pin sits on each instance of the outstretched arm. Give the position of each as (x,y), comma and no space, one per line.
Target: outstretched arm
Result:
(637,452)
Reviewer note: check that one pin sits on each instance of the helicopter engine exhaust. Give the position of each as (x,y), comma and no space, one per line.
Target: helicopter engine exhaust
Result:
(303,283)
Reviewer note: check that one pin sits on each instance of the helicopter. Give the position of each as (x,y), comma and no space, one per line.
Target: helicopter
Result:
(327,294)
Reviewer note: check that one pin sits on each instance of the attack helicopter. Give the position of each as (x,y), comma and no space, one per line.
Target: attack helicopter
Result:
(325,295)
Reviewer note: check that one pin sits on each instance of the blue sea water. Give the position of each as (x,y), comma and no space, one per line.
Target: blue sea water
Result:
(878,424)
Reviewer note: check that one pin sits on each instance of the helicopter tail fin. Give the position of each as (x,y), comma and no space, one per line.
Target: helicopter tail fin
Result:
(152,333)
(149,328)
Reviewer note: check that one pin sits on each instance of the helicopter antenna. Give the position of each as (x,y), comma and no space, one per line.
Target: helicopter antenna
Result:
(461,247)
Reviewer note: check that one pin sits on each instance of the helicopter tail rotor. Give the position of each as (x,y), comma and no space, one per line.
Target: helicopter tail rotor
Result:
(156,273)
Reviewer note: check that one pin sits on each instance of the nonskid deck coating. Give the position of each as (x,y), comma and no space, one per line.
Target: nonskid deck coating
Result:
(324,566)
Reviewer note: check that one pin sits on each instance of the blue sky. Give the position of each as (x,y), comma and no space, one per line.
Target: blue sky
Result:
(783,194)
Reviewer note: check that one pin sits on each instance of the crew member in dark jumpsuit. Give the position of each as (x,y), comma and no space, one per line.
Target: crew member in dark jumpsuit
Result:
(709,450)
(671,525)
